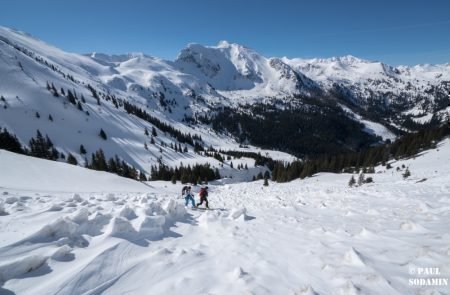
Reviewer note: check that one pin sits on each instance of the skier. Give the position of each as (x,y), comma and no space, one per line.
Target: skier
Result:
(203,196)
(186,192)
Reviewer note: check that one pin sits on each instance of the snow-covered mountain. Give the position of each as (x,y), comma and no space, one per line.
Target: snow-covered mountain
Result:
(201,81)
(363,80)
(239,72)
(371,75)
(30,68)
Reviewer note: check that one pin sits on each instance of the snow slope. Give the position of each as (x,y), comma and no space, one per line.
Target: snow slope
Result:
(28,64)
(370,126)
(312,236)
(33,174)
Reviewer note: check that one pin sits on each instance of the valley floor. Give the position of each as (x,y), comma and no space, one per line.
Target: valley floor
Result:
(315,236)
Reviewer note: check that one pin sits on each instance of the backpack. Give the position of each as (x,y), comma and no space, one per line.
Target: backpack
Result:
(184,190)
(203,192)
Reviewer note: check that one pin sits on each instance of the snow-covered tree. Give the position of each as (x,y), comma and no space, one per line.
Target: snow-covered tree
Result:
(361,179)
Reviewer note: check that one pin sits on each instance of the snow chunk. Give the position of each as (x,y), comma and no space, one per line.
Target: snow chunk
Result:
(353,257)
(236,213)
(55,207)
(127,213)
(11,200)
(120,227)
(21,266)
(238,273)
(153,208)
(111,197)
(77,198)
(80,216)
(62,227)
(239,214)
(3,210)
(412,226)
(151,226)
(63,253)
(174,210)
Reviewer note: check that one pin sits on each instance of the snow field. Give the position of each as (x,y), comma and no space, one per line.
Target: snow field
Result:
(312,236)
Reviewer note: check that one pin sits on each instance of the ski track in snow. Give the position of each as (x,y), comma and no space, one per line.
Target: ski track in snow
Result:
(312,236)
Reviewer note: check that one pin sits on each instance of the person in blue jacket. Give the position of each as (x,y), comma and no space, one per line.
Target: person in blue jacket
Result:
(186,192)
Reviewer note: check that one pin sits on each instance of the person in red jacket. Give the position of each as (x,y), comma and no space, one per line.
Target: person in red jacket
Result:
(203,196)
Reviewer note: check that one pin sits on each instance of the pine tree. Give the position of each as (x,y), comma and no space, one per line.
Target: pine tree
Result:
(71,159)
(71,97)
(98,161)
(152,140)
(37,115)
(50,118)
(10,142)
(142,176)
(112,165)
(102,134)
(82,150)
(55,154)
(55,91)
(184,177)
(352,181)
(173,179)
(259,176)
(145,146)
(41,147)
(407,173)
(154,131)
(146,131)
(266,182)
(79,106)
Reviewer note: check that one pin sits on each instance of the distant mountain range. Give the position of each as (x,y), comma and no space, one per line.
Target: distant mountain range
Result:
(204,85)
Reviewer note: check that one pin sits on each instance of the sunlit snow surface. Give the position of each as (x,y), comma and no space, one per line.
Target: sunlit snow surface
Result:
(106,235)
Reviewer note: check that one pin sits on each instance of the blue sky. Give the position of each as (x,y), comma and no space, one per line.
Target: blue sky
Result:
(395,31)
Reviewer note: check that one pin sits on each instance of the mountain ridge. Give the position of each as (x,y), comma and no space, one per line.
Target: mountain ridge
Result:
(191,91)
